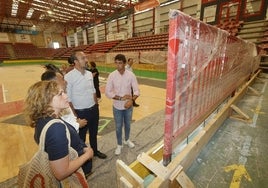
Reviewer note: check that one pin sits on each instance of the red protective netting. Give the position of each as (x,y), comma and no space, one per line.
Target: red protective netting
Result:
(205,66)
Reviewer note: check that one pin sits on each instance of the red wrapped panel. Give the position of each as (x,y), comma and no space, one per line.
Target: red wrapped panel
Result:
(205,66)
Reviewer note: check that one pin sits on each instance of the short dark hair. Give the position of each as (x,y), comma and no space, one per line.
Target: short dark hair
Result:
(48,75)
(120,57)
(52,67)
(93,64)
(71,60)
(73,57)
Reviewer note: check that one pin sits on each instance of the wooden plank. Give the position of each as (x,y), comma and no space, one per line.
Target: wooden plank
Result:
(259,80)
(175,173)
(191,151)
(240,112)
(124,171)
(155,152)
(159,183)
(184,181)
(240,118)
(173,182)
(158,169)
(124,183)
(254,91)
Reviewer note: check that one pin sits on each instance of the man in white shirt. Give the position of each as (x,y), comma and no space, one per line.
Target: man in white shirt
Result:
(83,100)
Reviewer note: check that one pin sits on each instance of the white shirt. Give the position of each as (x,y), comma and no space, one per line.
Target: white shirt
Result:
(80,89)
(70,118)
(129,68)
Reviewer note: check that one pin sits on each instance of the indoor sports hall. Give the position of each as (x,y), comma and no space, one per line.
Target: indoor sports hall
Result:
(201,67)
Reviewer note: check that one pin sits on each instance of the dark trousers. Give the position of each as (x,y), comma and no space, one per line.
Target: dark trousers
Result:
(98,93)
(134,102)
(87,167)
(92,117)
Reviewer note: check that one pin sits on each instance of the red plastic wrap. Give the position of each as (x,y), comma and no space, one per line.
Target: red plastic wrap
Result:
(205,66)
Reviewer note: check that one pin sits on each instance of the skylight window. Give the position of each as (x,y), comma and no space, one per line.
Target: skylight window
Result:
(30,13)
(14,10)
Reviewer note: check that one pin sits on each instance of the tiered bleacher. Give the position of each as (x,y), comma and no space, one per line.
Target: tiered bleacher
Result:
(25,50)
(3,52)
(144,43)
(102,47)
(29,51)
(232,26)
(264,44)
(47,53)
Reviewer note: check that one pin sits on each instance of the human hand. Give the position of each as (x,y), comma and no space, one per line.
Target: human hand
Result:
(88,152)
(82,122)
(127,97)
(128,104)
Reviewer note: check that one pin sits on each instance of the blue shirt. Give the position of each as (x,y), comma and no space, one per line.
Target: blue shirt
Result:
(56,142)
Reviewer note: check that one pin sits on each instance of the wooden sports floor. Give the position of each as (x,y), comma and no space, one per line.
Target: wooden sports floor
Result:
(236,156)
(16,139)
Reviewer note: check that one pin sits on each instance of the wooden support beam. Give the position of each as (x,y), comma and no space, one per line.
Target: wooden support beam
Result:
(173,182)
(129,176)
(124,183)
(173,175)
(241,116)
(262,76)
(155,152)
(253,91)
(157,168)
(184,181)
(259,80)
(191,151)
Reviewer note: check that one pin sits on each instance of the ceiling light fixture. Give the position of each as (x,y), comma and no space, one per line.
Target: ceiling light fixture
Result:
(49,12)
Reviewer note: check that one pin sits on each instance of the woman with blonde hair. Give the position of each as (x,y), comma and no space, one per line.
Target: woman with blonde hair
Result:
(44,102)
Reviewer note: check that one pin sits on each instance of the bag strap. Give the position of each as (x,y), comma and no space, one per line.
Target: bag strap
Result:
(44,131)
